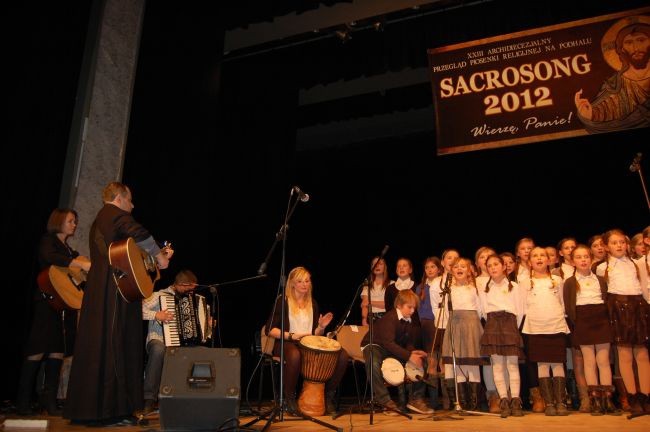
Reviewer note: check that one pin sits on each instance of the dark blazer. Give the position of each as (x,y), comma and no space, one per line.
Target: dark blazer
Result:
(397,337)
(570,293)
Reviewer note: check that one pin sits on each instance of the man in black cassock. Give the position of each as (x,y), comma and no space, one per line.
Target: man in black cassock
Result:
(105,386)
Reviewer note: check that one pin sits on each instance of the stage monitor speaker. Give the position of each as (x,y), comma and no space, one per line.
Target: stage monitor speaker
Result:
(200,388)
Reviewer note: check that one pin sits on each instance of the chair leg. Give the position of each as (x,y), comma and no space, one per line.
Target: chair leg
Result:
(356,382)
(260,387)
(275,391)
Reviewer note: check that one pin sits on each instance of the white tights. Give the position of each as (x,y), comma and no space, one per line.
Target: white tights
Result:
(502,366)
(597,355)
(544,369)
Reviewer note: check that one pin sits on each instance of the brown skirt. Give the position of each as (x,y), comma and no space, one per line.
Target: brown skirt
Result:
(466,329)
(548,348)
(501,335)
(629,317)
(592,325)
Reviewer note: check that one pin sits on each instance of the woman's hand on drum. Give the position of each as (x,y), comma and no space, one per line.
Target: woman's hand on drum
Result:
(323,321)
(417,357)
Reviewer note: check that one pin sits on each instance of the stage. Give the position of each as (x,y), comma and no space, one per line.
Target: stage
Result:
(382,423)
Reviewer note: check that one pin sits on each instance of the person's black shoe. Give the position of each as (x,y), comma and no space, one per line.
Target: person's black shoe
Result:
(391,408)
(292,407)
(149,407)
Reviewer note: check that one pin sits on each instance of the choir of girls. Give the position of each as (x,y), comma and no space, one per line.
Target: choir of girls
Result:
(542,316)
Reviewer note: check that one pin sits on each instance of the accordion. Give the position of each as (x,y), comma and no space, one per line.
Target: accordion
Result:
(191,323)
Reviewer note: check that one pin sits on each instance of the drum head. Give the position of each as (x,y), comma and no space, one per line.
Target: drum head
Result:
(320,343)
(413,371)
(392,371)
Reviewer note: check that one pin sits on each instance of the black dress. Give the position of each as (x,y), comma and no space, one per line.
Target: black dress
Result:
(47,332)
(106,375)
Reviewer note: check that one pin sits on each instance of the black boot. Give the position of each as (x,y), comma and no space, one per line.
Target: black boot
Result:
(447,403)
(636,403)
(451,392)
(559,392)
(622,393)
(51,386)
(606,402)
(26,387)
(473,396)
(595,400)
(463,398)
(292,405)
(571,392)
(546,389)
(642,400)
(433,396)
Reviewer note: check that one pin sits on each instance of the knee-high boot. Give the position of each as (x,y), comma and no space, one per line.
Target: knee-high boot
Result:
(451,392)
(546,388)
(584,393)
(472,396)
(447,403)
(51,386)
(463,397)
(26,386)
(433,396)
(559,391)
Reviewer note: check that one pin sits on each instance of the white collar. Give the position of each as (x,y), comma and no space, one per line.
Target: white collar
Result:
(400,316)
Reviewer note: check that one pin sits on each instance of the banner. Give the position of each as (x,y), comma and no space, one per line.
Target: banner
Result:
(577,78)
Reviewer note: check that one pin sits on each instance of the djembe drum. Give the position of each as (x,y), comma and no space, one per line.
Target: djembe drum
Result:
(392,371)
(319,357)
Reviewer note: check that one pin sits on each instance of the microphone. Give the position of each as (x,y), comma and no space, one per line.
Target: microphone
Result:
(304,197)
(634,167)
(384,251)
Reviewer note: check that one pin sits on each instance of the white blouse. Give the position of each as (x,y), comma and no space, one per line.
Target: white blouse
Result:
(543,306)
(465,297)
(376,295)
(301,320)
(621,276)
(500,298)
(589,290)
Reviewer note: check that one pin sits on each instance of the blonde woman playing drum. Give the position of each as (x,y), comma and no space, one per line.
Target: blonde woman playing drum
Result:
(302,318)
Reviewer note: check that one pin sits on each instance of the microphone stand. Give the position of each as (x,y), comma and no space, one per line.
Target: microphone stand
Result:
(636,166)
(280,406)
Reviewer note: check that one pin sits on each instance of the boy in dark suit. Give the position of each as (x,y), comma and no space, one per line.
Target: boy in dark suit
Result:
(396,335)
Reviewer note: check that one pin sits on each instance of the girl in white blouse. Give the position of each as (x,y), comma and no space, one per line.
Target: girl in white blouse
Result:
(584,302)
(502,308)
(547,329)
(627,304)
(480,259)
(463,335)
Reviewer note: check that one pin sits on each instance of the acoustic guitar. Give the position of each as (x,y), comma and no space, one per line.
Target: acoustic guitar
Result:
(134,270)
(62,286)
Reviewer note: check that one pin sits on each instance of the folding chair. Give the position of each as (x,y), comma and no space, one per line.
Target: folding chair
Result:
(265,350)
(350,337)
